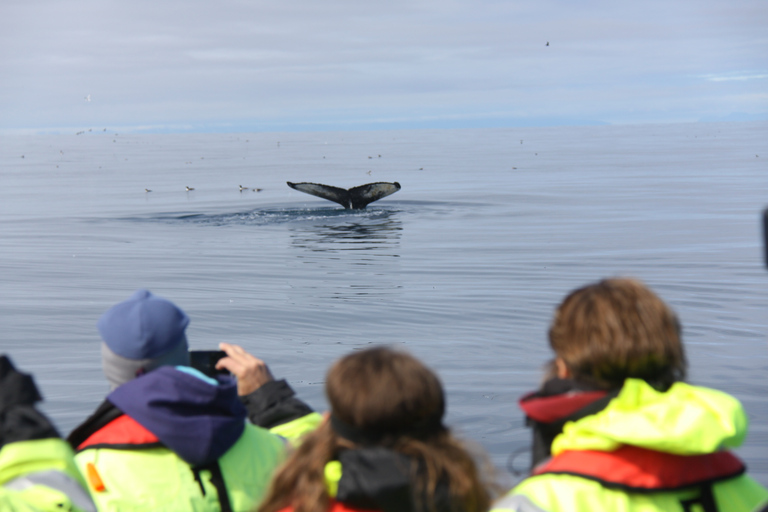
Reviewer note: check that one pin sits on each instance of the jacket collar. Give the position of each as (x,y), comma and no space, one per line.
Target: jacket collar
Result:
(196,420)
(683,420)
(562,399)
(377,478)
(557,402)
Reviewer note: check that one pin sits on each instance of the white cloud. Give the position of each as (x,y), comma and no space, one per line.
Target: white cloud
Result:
(737,76)
(302,62)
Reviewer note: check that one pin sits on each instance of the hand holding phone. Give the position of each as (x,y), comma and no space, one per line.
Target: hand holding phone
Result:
(251,372)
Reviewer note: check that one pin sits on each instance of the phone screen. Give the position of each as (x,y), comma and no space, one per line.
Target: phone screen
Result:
(205,361)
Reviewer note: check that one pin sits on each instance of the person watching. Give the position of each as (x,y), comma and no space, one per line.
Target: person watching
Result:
(37,467)
(169,437)
(615,427)
(384,446)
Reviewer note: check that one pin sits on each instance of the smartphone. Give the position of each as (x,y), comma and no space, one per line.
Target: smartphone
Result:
(205,361)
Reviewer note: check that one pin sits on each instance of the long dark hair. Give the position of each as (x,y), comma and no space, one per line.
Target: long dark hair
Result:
(394,398)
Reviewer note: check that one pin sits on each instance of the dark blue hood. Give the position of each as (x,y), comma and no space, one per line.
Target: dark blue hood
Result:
(195,419)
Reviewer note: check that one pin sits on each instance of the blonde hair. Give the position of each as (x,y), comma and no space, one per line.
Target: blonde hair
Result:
(394,396)
(615,329)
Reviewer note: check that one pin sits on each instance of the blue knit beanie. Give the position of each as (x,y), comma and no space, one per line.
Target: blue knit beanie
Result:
(144,326)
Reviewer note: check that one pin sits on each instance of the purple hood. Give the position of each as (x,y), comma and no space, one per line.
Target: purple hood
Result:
(196,420)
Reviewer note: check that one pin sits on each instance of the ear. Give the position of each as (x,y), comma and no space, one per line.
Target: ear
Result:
(562,369)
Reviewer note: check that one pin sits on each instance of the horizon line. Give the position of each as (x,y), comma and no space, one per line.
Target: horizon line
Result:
(351,126)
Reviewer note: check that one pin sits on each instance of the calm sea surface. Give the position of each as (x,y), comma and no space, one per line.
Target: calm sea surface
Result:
(462,267)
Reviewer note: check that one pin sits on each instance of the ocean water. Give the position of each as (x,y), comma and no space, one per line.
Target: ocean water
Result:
(463,267)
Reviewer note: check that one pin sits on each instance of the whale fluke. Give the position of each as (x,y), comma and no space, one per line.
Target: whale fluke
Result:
(356,198)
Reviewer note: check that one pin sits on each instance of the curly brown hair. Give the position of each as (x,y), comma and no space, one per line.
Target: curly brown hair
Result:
(616,329)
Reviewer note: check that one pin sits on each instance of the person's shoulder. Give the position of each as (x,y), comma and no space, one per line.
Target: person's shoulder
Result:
(254,434)
(550,492)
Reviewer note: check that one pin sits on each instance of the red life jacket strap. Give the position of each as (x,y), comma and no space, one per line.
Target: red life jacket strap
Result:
(121,432)
(334,506)
(552,408)
(637,469)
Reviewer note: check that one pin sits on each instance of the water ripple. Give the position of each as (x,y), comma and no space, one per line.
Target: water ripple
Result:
(264,216)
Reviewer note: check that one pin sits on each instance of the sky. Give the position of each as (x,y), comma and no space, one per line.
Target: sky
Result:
(159,66)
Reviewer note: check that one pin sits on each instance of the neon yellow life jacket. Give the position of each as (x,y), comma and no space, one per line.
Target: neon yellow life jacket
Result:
(294,430)
(157,479)
(40,476)
(684,425)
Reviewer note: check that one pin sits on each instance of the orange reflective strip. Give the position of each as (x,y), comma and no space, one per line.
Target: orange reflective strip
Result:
(93,478)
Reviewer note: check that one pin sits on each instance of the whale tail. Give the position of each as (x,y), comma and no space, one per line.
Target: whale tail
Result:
(356,198)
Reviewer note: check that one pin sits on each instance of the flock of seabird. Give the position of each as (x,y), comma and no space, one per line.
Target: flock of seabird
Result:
(190,189)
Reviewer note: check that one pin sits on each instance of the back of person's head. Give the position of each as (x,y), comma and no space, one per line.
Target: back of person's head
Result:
(381,398)
(616,329)
(140,334)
